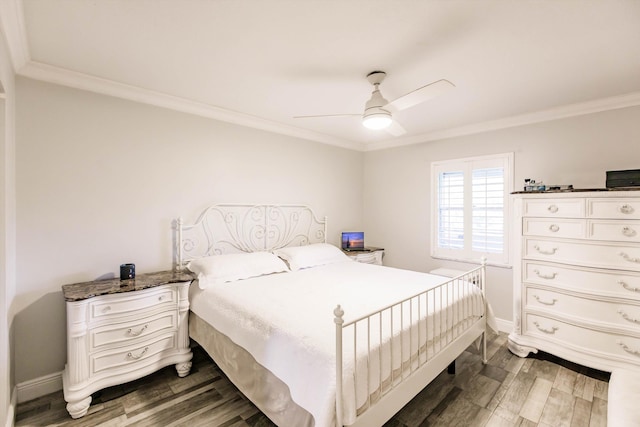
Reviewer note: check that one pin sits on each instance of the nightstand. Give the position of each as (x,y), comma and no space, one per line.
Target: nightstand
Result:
(368,256)
(118,331)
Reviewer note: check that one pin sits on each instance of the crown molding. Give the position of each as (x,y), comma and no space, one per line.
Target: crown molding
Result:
(61,76)
(578,109)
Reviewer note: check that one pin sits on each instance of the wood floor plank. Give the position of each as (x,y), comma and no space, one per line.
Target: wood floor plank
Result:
(536,399)
(492,395)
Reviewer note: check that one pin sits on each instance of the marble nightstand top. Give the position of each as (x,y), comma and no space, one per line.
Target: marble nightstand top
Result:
(80,291)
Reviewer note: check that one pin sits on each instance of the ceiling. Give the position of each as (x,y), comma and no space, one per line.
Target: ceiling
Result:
(259,63)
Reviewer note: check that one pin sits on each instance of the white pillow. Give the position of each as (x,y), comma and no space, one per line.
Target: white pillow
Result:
(217,269)
(299,257)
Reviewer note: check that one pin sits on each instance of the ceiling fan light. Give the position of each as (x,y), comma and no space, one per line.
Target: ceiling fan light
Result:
(376,121)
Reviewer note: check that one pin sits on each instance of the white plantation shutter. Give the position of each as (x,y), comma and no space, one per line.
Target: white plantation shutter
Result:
(451,210)
(470,209)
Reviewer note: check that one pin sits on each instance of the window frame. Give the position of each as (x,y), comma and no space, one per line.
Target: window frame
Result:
(467,165)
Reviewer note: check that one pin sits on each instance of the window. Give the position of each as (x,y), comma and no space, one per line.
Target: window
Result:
(470,208)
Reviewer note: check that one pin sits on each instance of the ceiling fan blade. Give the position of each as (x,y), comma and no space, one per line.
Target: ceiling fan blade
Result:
(327,115)
(395,129)
(420,95)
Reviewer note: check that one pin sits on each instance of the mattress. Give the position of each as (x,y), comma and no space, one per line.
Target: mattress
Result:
(285,322)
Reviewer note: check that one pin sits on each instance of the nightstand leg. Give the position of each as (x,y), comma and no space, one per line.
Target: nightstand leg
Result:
(183,369)
(80,408)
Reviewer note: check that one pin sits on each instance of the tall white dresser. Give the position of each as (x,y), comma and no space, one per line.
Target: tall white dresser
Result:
(577,277)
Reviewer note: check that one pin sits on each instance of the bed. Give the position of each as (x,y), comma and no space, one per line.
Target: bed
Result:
(310,336)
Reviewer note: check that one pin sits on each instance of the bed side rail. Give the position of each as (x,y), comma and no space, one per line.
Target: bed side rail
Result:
(380,350)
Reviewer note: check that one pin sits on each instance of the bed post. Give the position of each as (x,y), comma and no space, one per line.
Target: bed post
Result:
(179,243)
(483,277)
(338,313)
(325,229)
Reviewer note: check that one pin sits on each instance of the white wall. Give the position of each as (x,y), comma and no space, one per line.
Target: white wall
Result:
(7,231)
(100,180)
(576,151)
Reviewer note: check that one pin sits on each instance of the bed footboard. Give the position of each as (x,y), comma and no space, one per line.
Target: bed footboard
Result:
(386,357)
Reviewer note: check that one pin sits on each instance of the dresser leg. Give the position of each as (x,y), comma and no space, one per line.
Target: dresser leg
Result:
(183,369)
(80,408)
(520,350)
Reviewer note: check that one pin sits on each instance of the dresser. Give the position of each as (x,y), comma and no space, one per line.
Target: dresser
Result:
(370,256)
(577,277)
(118,331)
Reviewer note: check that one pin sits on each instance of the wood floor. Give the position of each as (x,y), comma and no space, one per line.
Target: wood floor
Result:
(508,391)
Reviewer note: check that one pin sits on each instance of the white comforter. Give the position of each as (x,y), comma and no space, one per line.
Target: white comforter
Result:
(285,321)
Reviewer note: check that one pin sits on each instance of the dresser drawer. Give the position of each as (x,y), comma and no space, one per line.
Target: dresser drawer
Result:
(603,255)
(614,208)
(120,305)
(121,333)
(616,346)
(132,356)
(609,283)
(614,230)
(554,227)
(590,309)
(558,208)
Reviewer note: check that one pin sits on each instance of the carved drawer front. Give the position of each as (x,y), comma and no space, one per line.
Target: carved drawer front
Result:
(367,258)
(556,208)
(588,310)
(567,228)
(594,342)
(603,255)
(122,333)
(611,283)
(134,356)
(620,231)
(613,208)
(119,305)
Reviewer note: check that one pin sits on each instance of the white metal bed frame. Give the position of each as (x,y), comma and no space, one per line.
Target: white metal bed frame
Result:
(237,228)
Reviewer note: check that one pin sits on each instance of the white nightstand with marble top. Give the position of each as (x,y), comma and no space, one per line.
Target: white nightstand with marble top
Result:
(118,331)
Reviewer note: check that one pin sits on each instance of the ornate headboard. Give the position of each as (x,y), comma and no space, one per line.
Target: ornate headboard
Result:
(234,228)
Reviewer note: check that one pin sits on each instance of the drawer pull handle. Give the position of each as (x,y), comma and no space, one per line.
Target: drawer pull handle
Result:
(554,228)
(546,331)
(544,251)
(552,208)
(545,276)
(133,356)
(628,349)
(628,231)
(541,301)
(626,209)
(130,331)
(628,258)
(627,287)
(626,317)
(106,309)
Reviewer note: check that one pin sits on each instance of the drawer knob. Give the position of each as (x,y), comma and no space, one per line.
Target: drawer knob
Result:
(627,287)
(628,349)
(544,251)
(626,317)
(554,228)
(545,276)
(541,301)
(130,331)
(136,357)
(628,231)
(626,209)
(553,208)
(628,258)
(546,331)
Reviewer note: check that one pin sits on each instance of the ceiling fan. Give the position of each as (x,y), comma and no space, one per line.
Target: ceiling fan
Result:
(378,111)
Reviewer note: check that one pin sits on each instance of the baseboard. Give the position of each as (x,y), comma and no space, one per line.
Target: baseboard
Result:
(505,326)
(11,410)
(38,387)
